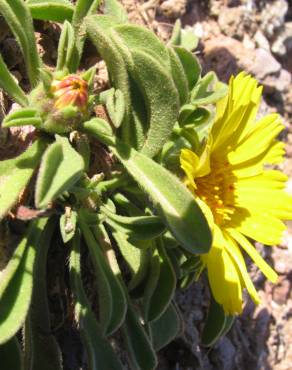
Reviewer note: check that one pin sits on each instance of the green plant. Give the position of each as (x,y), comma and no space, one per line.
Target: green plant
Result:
(141,226)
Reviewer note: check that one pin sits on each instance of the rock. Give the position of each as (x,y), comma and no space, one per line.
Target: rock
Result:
(226,352)
(233,21)
(272,17)
(263,64)
(228,56)
(261,40)
(173,8)
(282,45)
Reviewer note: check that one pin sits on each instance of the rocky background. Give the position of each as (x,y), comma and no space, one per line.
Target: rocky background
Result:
(235,35)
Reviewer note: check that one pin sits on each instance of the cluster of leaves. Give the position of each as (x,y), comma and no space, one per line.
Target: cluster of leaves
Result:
(142,228)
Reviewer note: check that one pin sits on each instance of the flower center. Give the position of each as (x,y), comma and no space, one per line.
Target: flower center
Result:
(72,90)
(217,190)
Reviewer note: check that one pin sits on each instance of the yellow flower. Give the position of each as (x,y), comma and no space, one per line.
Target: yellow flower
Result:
(241,196)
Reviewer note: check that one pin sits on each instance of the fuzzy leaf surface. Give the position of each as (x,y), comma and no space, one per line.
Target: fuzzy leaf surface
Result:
(166,328)
(217,324)
(161,99)
(10,86)
(15,174)
(138,344)
(139,227)
(100,354)
(172,199)
(112,300)
(41,348)
(190,64)
(17,281)
(137,259)
(158,297)
(18,18)
(51,10)
(60,169)
(116,10)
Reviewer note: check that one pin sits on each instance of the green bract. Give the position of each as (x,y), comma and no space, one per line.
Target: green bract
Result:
(140,226)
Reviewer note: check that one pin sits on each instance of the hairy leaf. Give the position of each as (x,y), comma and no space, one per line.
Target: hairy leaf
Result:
(99,352)
(51,10)
(10,86)
(116,10)
(15,174)
(161,99)
(166,328)
(137,259)
(16,283)
(140,228)
(40,345)
(138,344)
(217,324)
(157,296)
(60,169)
(171,198)
(112,301)
(66,46)
(190,64)
(18,18)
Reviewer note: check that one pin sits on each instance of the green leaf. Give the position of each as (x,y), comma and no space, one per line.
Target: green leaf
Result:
(60,169)
(112,300)
(179,76)
(18,18)
(175,38)
(171,198)
(188,40)
(99,352)
(204,94)
(22,117)
(15,174)
(116,10)
(166,328)
(10,355)
(138,344)
(139,228)
(68,225)
(66,46)
(83,8)
(189,115)
(16,283)
(115,105)
(99,128)
(51,10)
(97,29)
(137,259)
(10,86)
(217,324)
(159,290)
(40,345)
(190,64)
(136,37)
(161,99)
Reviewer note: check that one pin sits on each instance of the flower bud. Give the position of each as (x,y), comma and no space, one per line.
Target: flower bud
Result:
(72,90)
(64,105)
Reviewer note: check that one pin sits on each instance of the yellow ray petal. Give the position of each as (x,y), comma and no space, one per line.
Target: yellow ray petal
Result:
(224,281)
(254,255)
(259,226)
(258,141)
(234,251)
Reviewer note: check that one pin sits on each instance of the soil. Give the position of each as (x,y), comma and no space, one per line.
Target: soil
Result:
(254,35)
